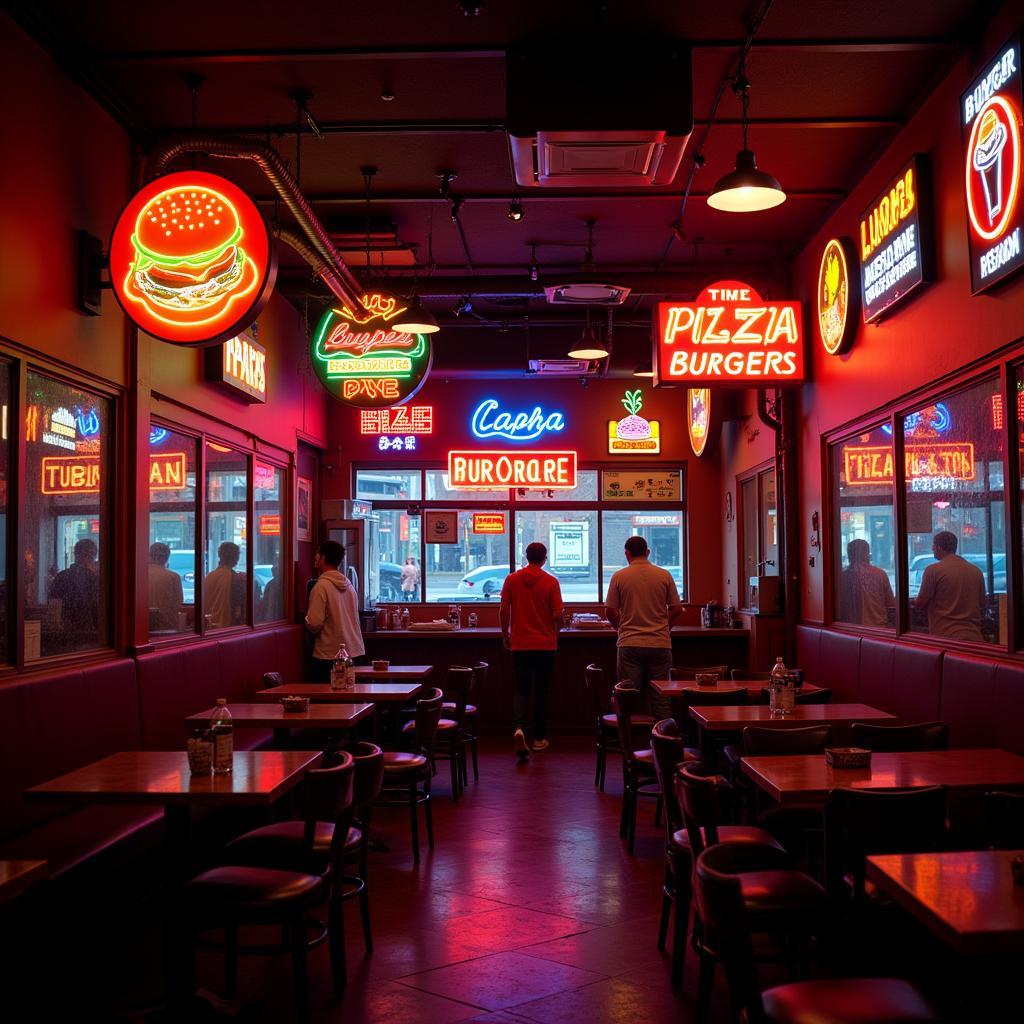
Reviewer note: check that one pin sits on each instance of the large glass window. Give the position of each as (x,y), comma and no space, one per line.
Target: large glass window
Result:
(226,583)
(383,485)
(571,540)
(67,502)
(172,532)
(438,489)
(663,532)
(268,566)
(585,490)
(864,567)
(399,575)
(956,543)
(474,568)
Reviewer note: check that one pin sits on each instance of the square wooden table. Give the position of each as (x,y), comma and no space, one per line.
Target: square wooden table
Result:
(681,687)
(806,778)
(393,673)
(274,716)
(377,692)
(967,899)
(733,718)
(17,875)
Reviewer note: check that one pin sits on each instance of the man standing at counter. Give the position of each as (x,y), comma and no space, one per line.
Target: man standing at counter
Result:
(333,614)
(531,604)
(642,603)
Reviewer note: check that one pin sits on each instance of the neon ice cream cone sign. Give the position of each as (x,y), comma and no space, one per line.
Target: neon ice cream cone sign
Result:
(993,168)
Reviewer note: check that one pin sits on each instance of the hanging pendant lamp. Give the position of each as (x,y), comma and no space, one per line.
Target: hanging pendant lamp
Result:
(417,319)
(590,346)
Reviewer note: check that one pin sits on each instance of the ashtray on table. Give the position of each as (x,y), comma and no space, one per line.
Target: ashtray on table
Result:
(295,703)
(847,757)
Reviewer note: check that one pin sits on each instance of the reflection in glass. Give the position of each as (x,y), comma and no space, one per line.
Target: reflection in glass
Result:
(400,575)
(268,496)
(172,532)
(225,588)
(956,543)
(381,485)
(663,532)
(474,568)
(571,540)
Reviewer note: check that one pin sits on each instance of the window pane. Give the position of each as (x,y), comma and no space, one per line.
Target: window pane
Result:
(268,495)
(585,490)
(954,489)
(399,575)
(865,554)
(571,540)
(769,525)
(650,484)
(225,588)
(663,532)
(438,490)
(474,568)
(751,554)
(67,500)
(380,485)
(5,440)
(172,532)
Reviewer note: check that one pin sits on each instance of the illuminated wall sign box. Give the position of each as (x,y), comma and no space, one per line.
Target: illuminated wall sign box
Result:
(366,363)
(190,259)
(80,474)
(990,119)
(703,421)
(895,241)
(730,335)
(488,522)
(836,304)
(270,526)
(486,470)
(240,366)
(633,433)
(638,485)
(405,419)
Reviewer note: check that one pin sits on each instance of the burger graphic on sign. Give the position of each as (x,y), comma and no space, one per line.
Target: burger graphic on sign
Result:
(190,259)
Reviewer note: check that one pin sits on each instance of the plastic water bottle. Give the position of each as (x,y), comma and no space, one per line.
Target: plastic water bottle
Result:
(342,675)
(780,689)
(223,731)
(405,618)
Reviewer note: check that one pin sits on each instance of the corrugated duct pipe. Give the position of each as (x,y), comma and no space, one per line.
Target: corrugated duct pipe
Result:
(320,253)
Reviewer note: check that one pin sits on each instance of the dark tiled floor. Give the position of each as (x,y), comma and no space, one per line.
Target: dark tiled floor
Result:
(529,910)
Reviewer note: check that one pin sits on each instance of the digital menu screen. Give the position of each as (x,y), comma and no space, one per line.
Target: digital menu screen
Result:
(990,118)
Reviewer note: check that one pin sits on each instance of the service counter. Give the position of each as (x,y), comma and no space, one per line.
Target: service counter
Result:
(571,708)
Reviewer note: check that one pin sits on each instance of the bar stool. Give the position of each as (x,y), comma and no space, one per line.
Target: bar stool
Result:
(638,774)
(606,722)
(449,745)
(469,726)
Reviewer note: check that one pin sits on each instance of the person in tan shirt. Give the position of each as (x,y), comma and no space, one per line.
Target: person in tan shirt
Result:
(953,592)
(165,593)
(865,593)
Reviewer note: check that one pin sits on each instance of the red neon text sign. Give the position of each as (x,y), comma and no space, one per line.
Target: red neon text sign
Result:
(168,472)
(730,335)
(190,259)
(488,522)
(80,474)
(404,419)
(864,465)
(485,471)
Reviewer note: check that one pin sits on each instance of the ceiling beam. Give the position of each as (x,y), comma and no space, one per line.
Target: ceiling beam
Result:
(534,196)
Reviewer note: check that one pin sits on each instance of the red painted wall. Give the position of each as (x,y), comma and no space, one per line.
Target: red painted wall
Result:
(587,411)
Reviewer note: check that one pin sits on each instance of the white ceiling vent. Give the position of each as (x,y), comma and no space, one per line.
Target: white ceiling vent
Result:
(561,367)
(586,293)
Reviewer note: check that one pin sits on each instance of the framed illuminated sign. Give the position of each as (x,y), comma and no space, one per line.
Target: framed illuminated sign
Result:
(489,420)
(641,485)
(703,421)
(365,362)
(864,465)
(240,367)
(486,470)
(80,474)
(896,249)
(269,526)
(488,522)
(441,527)
(190,259)
(405,419)
(633,433)
(990,119)
(168,471)
(836,304)
(729,335)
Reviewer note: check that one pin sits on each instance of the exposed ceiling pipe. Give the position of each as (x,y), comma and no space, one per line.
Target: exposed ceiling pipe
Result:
(337,277)
(317,264)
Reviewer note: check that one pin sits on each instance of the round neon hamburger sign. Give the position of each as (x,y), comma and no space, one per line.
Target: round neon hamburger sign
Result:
(190,259)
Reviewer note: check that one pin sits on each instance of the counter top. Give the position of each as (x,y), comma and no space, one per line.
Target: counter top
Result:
(495,632)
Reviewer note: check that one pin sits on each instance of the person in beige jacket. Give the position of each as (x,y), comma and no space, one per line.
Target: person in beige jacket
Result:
(333,614)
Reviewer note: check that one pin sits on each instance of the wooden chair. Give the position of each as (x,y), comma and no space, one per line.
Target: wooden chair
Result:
(729,925)
(606,722)
(450,741)
(690,671)
(469,719)
(234,896)
(638,773)
(704,697)
(889,739)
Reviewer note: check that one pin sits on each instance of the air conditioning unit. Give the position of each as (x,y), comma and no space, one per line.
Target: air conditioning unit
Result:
(598,112)
(561,367)
(586,293)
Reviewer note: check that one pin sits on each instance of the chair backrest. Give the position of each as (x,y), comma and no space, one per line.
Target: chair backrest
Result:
(698,697)
(700,794)
(690,671)
(669,751)
(327,796)
(272,679)
(480,670)
(860,822)
(1005,815)
(719,902)
(765,741)
(369,761)
(428,714)
(820,696)
(888,739)
(595,680)
(628,703)
(457,686)
(746,673)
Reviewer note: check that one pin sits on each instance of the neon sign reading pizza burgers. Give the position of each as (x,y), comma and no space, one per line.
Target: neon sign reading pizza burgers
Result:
(365,361)
(190,259)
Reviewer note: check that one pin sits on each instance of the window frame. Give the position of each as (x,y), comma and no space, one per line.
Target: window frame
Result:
(756,473)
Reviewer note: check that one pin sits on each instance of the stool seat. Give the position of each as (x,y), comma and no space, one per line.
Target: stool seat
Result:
(847,1001)
(253,889)
(449,706)
(728,834)
(281,843)
(442,725)
(645,758)
(784,895)
(400,761)
(639,721)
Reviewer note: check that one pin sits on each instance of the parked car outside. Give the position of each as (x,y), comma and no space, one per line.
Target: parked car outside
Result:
(183,562)
(483,584)
(390,581)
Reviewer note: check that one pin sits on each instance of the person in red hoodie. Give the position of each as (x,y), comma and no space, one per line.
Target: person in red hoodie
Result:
(531,612)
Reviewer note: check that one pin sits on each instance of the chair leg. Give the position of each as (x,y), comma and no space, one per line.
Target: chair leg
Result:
(336,944)
(666,911)
(299,970)
(456,775)
(476,767)
(657,812)
(428,810)
(680,927)
(705,988)
(230,959)
(633,801)
(415,823)
(364,912)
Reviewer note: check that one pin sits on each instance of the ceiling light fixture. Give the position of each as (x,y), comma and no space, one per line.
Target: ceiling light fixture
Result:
(416,319)
(590,346)
(515,210)
(746,189)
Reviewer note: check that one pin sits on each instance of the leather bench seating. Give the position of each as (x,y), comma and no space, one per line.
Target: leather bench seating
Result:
(55,722)
(980,698)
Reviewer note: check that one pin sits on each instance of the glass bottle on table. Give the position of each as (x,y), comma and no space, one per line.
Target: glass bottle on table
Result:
(343,675)
(780,689)
(223,731)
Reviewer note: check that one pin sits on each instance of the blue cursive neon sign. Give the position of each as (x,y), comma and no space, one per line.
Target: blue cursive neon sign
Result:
(487,422)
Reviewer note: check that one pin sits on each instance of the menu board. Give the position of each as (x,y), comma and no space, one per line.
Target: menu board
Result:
(990,119)
(641,485)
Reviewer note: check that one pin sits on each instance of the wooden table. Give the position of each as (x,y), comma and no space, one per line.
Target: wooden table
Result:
(681,687)
(378,693)
(393,673)
(274,716)
(967,899)
(733,718)
(806,778)
(157,777)
(17,875)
